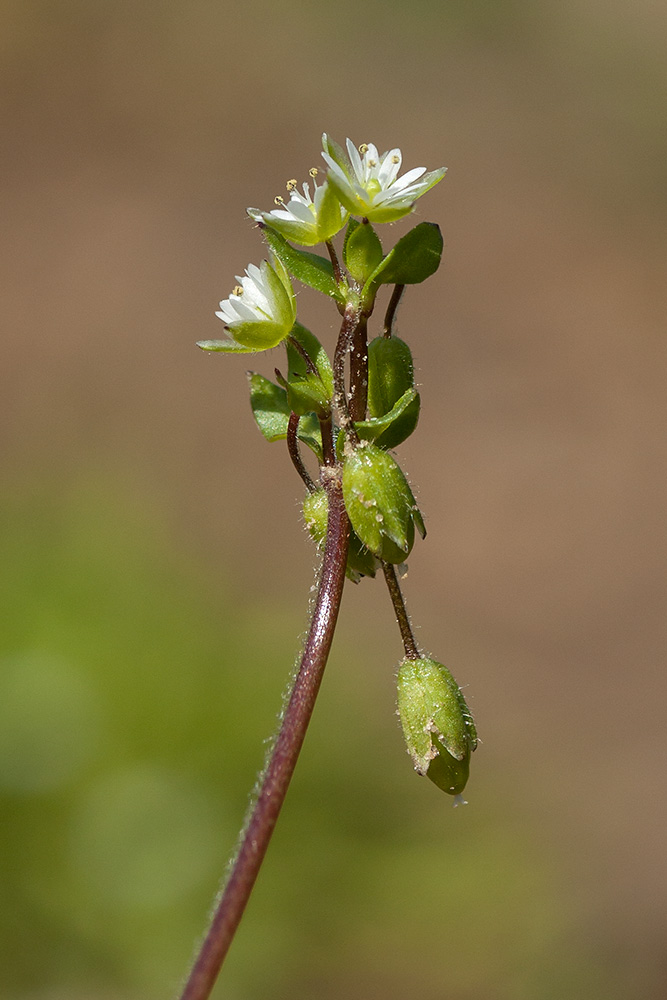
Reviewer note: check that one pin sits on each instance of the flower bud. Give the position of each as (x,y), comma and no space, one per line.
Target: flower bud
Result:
(390,373)
(439,730)
(380,504)
(360,562)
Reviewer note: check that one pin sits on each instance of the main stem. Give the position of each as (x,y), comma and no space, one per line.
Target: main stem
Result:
(285,751)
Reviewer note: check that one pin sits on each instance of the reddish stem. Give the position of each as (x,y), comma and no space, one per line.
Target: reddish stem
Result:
(285,751)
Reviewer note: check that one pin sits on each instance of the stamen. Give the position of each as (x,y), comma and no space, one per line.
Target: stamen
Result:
(291,185)
(237,290)
(313,172)
(363,149)
(372,163)
(278,200)
(395,159)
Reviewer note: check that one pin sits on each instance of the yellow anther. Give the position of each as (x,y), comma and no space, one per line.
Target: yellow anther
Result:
(278,200)
(313,172)
(363,149)
(372,163)
(291,185)
(238,290)
(395,159)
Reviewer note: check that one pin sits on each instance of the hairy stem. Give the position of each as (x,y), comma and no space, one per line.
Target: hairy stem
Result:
(359,370)
(351,319)
(285,752)
(394,588)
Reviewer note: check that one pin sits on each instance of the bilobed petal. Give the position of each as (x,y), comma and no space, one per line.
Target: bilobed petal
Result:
(355,160)
(407,179)
(389,170)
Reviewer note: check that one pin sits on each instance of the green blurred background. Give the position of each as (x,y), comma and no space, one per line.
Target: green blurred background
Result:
(155,571)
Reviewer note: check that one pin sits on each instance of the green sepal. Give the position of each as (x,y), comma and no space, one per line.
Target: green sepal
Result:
(362,250)
(227,346)
(307,391)
(390,373)
(380,503)
(437,724)
(415,258)
(260,336)
(391,429)
(337,153)
(360,562)
(271,411)
(308,268)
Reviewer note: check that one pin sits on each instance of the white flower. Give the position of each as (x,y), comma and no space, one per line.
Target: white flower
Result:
(304,219)
(259,313)
(368,184)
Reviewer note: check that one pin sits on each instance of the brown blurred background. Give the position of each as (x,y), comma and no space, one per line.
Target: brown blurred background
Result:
(156,571)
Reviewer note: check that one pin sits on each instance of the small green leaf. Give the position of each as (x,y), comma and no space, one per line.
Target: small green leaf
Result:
(308,268)
(390,373)
(272,411)
(391,429)
(269,407)
(415,257)
(362,251)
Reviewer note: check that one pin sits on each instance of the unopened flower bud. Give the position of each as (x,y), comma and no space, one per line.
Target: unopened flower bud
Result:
(437,724)
(380,504)
(360,562)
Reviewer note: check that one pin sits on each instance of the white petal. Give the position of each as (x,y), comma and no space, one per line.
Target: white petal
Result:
(409,178)
(389,170)
(247,313)
(301,212)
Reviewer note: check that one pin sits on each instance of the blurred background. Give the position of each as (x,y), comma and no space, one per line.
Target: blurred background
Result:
(155,571)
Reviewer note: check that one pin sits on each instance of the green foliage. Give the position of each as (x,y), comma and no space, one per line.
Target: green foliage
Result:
(272,411)
(309,268)
(362,250)
(390,373)
(395,426)
(415,258)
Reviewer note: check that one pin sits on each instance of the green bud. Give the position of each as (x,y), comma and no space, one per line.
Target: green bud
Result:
(380,504)
(360,562)
(390,373)
(439,730)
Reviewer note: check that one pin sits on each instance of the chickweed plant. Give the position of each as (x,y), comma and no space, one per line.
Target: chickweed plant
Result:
(352,410)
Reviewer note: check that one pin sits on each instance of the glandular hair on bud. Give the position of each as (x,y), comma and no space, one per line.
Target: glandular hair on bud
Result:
(439,730)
